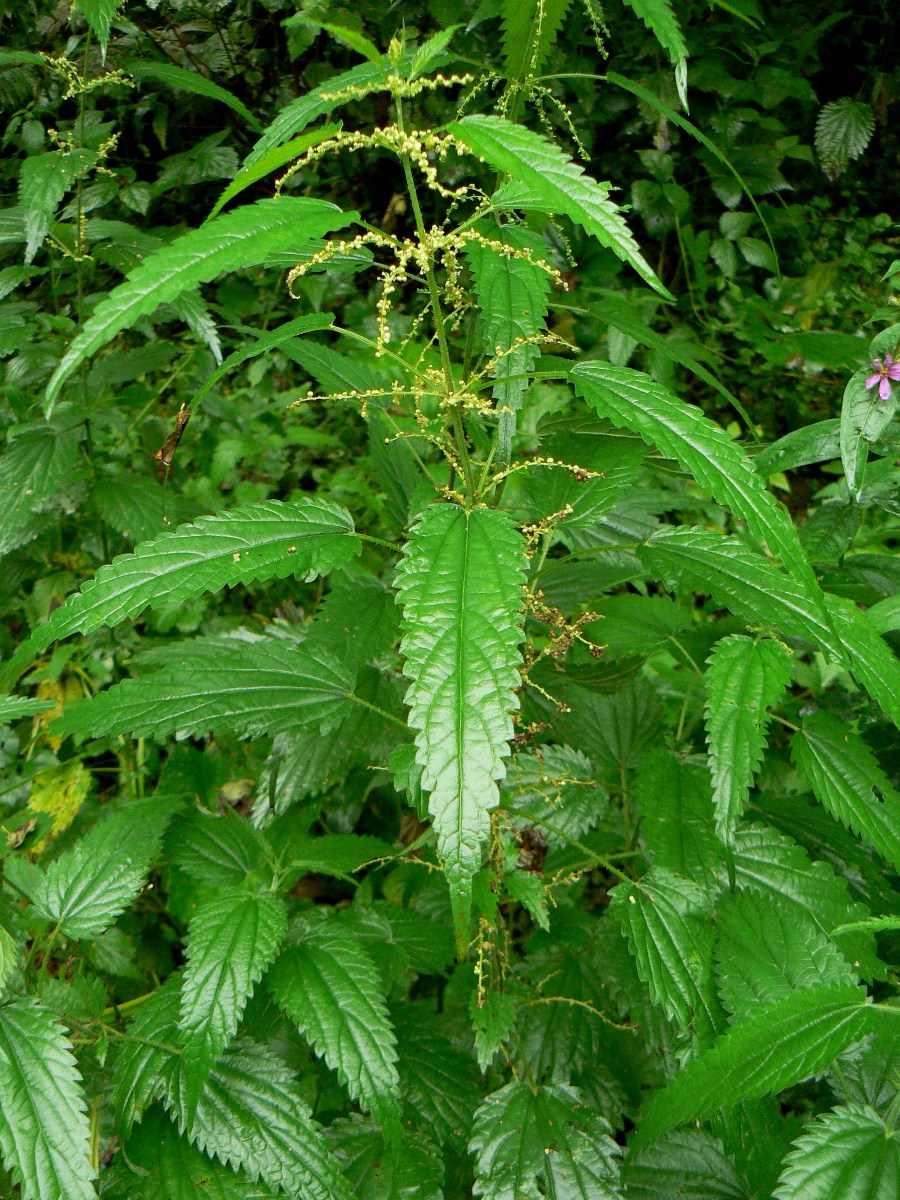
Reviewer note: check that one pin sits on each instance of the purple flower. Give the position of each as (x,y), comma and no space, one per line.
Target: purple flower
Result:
(885,370)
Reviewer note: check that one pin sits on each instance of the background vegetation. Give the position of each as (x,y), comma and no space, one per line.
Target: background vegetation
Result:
(227,957)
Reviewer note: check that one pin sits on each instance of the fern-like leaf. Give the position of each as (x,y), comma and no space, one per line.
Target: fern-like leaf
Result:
(44,1133)
(231,941)
(544,178)
(460,588)
(275,539)
(851,1151)
(331,988)
(744,679)
(780,1045)
(526,1135)
(846,778)
(239,239)
(251,687)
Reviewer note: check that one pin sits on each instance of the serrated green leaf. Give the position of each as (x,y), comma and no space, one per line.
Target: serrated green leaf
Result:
(167,1167)
(44,1132)
(93,882)
(14,707)
(251,687)
(187,81)
(460,589)
(315,322)
(526,1135)
(869,1073)
(665,919)
(682,431)
(9,957)
(413,1172)
(766,949)
(659,18)
(555,785)
(512,297)
(143,1067)
(43,181)
(529,33)
(275,539)
(330,987)
(252,1116)
(100,15)
(864,418)
(34,470)
(779,1045)
(493,1017)
(277,157)
(847,1154)
(544,176)
(773,863)
(674,798)
(846,779)
(231,941)
(866,654)
(238,239)
(685,1164)
(221,849)
(844,129)
(437,1080)
(745,677)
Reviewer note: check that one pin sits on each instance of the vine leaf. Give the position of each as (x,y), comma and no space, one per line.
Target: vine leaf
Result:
(330,987)
(545,178)
(525,1134)
(243,238)
(232,939)
(250,686)
(744,678)
(44,1132)
(460,588)
(851,1149)
(780,1045)
(274,539)
(845,778)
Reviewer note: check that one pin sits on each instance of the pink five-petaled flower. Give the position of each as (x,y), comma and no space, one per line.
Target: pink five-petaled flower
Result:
(886,370)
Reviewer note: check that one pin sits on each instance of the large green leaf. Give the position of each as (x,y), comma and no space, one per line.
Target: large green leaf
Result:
(253,686)
(512,297)
(329,986)
(438,1080)
(682,431)
(34,470)
(745,677)
(864,417)
(414,1171)
(845,777)
(231,940)
(252,1116)
(269,340)
(659,18)
(779,1045)
(675,803)
(274,539)
(686,1164)
(277,157)
(44,1133)
(529,33)
(243,238)
(544,177)
(177,77)
(460,588)
(165,1166)
(144,1065)
(851,1153)
(525,1134)
(100,15)
(766,949)
(666,921)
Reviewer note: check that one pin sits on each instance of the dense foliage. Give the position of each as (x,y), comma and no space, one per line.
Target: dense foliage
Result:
(449,602)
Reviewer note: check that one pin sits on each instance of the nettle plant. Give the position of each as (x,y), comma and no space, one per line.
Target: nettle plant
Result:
(592,772)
